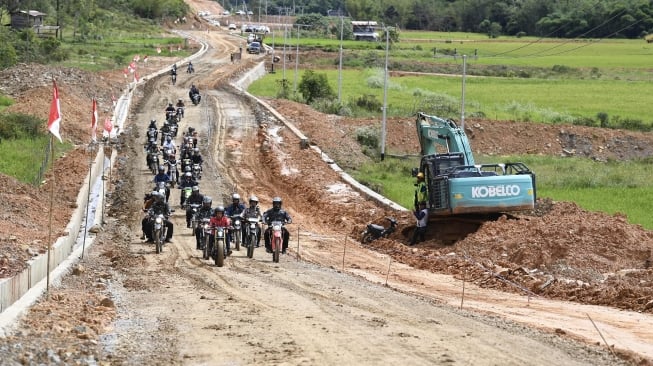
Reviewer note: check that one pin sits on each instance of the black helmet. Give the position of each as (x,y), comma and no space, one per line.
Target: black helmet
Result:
(169,104)
(219,209)
(276,203)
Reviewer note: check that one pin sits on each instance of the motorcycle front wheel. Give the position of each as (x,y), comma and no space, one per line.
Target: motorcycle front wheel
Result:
(251,246)
(276,252)
(219,254)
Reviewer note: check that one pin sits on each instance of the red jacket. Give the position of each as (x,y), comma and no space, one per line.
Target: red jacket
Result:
(219,222)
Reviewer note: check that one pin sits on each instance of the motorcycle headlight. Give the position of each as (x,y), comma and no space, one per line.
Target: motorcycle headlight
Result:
(276,227)
(158,220)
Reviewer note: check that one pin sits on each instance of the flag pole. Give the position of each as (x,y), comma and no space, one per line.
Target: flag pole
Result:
(52,183)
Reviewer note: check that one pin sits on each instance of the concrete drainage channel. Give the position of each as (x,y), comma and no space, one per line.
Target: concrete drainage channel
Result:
(20,292)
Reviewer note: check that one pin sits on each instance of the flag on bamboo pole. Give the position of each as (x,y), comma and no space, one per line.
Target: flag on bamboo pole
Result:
(94,121)
(136,77)
(54,120)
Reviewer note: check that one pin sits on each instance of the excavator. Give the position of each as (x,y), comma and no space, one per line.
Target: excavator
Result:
(457,187)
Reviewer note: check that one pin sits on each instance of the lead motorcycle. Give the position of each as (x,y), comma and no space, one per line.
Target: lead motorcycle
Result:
(374,231)
(216,248)
(159,231)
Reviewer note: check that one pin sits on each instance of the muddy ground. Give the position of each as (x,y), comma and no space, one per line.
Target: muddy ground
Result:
(559,252)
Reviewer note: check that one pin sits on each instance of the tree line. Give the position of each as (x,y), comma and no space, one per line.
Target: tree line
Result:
(550,18)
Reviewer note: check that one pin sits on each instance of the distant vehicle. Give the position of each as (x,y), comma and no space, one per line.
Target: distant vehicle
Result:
(250,13)
(254,47)
(240,12)
(226,12)
(251,38)
(232,26)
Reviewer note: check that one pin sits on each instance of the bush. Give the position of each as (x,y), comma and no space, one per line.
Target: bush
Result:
(315,86)
(368,102)
(368,136)
(16,126)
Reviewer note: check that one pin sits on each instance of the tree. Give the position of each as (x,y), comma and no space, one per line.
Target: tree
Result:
(315,86)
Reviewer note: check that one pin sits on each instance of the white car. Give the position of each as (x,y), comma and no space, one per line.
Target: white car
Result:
(232,26)
(240,12)
(226,12)
(250,13)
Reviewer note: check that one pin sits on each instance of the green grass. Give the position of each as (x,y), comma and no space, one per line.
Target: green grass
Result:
(540,100)
(5,102)
(22,158)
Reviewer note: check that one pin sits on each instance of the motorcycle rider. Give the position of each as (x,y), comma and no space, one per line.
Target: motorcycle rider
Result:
(169,144)
(180,107)
(165,131)
(186,182)
(220,220)
(253,211)
(152,130)
(197,158)
(192,134)
(162,176)
(170,111)
(148,200)
(173,71)
(159,206)
(195,198)
(276,214)
(190,69)
(235,208)
(204,212)
(193,91)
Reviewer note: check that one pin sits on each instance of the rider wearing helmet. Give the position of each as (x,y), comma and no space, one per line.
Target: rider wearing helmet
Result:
(253,211)
(162,176)
(170,111)
(187,181)
(197,157)
(159,206)
(276,214)
(204,212)
(421,194)
(220,220)
(169,144)
(235,208)
(195,198)
(180,107)
(193,91)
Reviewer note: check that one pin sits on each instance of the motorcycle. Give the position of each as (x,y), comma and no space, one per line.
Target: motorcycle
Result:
(174,79)
(164,189)
(204,232)
(374,231)
(174,127)
(219,247)
(251,235)
(197,171)
(276,240)
(171,117)
(186,192)
(159,232)
(153,160)
(237,232)
(152,133)
(190,69)
(180,113)
(196,98)
(194,220)
(171,163)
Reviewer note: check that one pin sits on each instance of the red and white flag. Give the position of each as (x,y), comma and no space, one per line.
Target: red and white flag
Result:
(136,58)
(113,100)
(108,126)
(132,67)
(145,59)
(54,120)
(135,77)
(125,72)
(94,121)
